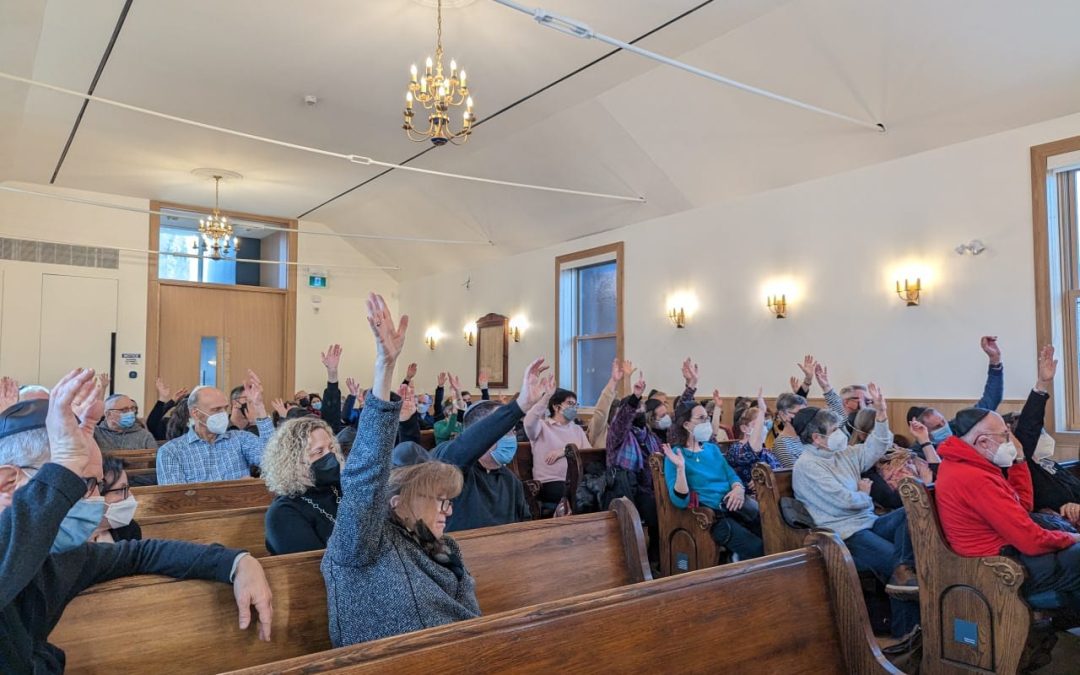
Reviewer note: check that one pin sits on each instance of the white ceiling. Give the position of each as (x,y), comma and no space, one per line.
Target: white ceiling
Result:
(935,71)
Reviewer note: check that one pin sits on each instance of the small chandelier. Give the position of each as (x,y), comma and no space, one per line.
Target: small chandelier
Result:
(217,233)
(438,93)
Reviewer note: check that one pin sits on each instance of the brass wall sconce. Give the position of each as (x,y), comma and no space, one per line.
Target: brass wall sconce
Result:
(778,305)
(470,334)
(910,291)
(677,316)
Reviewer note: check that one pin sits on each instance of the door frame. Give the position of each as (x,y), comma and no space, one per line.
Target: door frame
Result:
(153,305)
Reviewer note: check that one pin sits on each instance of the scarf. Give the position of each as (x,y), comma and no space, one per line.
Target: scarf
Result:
(435,547)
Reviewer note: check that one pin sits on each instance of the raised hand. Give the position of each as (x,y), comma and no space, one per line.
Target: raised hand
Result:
(1047,368)
(90,409)
(408,402)
(761,401)
(103,390)
(442,379)
(639,386)
(253,389)
(628,368)
(675,455)
(69,445)
(164,391)
(279,407)
(690,373)
(331,359)
(990,346)
(181,394)
(389,340)
(807,367)
(483,377)
(251,588)
(532,385)
(821,372)
(354,386)
(616,371)
(455,384)
(9,392)
(794,383)
(919,431)
(410,372)
(877,398)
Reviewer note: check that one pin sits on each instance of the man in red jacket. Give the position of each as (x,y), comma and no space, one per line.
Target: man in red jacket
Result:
(983,511)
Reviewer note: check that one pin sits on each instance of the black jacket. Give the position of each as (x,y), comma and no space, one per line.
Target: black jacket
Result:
(292,525)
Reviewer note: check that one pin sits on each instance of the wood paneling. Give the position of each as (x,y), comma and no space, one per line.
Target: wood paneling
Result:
(171,500)
(236,528)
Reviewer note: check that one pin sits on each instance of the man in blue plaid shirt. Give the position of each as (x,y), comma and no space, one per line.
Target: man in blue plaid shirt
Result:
(210,451)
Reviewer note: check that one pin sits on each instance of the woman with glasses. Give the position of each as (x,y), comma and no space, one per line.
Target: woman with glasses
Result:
(118,523)
(697,472)
(302,466)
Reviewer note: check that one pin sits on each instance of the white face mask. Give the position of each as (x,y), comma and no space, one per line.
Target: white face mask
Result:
(703,432)
(1045,448)
(664,422)
(1005,455)
(121,513)
(218,423)
(837,441)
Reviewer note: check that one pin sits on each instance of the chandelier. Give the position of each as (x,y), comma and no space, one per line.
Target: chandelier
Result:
(217,233)
(438,93)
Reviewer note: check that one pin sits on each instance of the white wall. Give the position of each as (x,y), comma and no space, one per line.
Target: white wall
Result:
(30,217)
(341,315)
(841,241)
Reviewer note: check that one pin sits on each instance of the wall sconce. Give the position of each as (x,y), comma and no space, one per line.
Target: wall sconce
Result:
(518,324)
(974,247)
(677,316)
(470,334)
(910,292)
(431,338)
(778,305)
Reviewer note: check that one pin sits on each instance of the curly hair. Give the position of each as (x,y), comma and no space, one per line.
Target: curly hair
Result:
(283,467)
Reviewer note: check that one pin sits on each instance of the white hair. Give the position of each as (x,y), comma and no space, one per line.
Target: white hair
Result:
(32,389)
(193,397)
(28,449)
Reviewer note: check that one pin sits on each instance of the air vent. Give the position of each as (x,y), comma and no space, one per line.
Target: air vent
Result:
(24,250)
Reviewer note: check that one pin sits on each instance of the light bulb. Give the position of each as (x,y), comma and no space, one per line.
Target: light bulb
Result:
(468,103)
(429,63)
(463,76)
(412,72)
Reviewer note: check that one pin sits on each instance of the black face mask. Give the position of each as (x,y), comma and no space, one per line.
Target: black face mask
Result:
(326,471)
(639,420)
(304,403)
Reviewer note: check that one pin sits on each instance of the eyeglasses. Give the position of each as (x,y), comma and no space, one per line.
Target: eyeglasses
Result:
(129,409)
(92,483)
(125,491)
(1006,434)
(445,505)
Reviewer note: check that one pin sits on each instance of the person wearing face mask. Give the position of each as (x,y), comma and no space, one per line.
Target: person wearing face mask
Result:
(120,428)
(49,467)
(827,479)
(984,495)
(209,451)
(697,472)
(302,466)
(744,454)
(118,524)
(550,426)
(239,418)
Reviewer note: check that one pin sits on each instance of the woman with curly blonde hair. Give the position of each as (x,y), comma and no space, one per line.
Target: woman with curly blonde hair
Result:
(302,466)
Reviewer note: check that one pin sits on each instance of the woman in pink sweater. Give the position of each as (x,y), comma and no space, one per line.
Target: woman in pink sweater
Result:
(550,427)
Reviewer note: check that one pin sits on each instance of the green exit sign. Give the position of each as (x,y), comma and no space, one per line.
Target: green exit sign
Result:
(316,281)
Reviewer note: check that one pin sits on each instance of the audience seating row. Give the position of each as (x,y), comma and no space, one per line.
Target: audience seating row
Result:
(170,625)
(134,459)
(172,500)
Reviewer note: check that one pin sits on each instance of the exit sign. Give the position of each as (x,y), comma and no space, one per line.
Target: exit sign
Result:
(316,281)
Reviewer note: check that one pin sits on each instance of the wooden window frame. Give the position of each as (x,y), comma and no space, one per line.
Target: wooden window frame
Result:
(153,309)
(617,249)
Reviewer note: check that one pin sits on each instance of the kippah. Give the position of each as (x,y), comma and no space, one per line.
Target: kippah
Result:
(803,417)
(966,420)
(24,416)
(409,453)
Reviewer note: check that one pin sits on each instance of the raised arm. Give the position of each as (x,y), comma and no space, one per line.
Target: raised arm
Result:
(253,446)
(675,476)
(365,501)
(482,380)
(832,399)
(437,403)
(1032,418)
(717,414)
(880,439)
(599,422)
(623,420)
(994,389)
(757,429)
(331,400)
(690,380)
(534,418)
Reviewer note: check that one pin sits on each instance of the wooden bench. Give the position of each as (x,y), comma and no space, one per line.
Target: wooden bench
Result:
(192,625)
(156,500)
(770,486)
(236,528)
(427,438)
(686,542)
(974,618)
(794,612)
(522,468)
(134,459)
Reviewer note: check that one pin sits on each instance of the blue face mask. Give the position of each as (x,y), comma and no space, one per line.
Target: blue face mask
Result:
(505,450)
(570,413)
(127,420)
(939,435)
(768,426)
(316,405)
(422,408)
(354,416)
(79,523)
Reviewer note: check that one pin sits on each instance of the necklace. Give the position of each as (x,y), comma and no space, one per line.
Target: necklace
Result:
(312,504)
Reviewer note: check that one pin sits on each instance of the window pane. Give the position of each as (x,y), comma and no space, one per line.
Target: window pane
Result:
(597,299)
(173,267)
(208,362)
(594,359)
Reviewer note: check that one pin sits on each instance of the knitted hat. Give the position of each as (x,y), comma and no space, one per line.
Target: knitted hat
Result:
(915,411)
(803,417)
(24,416)
(966,420)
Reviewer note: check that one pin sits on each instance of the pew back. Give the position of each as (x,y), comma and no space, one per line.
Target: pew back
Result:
(157,500)
(236,528)
(686,542)
(191,626)
(134,459)
(770,486)
(708,621)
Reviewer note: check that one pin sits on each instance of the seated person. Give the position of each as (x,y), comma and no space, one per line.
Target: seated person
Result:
(239,418)
(788,446)
(209,451)
(118,522)
(120,428)
(744,454)
(449,426)
(179,420)
(895,465)
(50,473)
(983,512)
(302,466)
(605,404)
(156,421)
(827,479)
(696,466)
(389,569)
(550,427)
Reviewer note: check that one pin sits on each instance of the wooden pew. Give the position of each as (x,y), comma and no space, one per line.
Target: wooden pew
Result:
(156,500)
(979,597)
(192,625)
(770,486)
(236,528)
(686,542)
(720,619)
(134,459)
(427,438)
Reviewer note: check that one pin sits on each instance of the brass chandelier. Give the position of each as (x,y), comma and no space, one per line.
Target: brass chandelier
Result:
(216,231)
(438,94)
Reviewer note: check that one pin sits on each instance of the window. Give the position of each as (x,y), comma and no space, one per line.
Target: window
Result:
(178,234)
(589,309)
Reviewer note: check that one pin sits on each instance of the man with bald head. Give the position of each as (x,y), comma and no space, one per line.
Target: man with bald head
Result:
(210,451)
(120,428)
(986,513)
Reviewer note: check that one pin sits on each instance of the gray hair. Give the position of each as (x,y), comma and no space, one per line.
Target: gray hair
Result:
(786,402)
(32,389)
(115,397)
(28,449)
(850,388)
(819,424)
(193,397)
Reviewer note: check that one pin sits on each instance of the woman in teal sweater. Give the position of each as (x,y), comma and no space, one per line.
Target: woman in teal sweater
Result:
(697,468)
